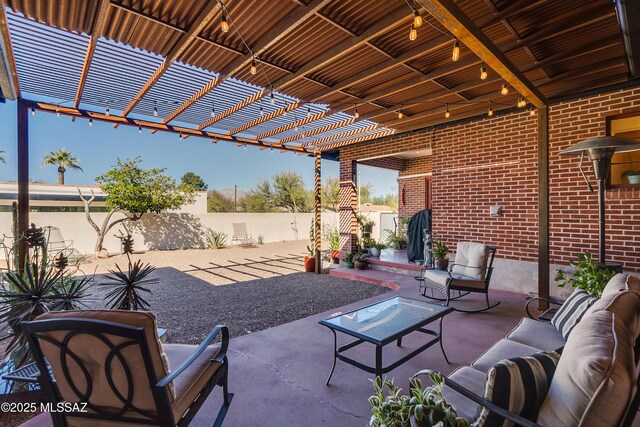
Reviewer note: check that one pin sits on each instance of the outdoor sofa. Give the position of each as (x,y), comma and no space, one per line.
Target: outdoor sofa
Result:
(595,380)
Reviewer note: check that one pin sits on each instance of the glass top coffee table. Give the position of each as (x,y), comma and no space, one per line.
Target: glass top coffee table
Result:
(382,323)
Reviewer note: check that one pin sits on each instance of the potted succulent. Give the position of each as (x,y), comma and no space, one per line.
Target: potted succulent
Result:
(632,176)
(348,260)
(376,248)
(440,251)
(359,260)
(425,407)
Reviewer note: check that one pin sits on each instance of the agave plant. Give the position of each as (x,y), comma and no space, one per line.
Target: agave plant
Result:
(215,239)
(128,286)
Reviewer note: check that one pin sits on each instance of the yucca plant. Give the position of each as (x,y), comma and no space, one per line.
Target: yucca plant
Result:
(215,239)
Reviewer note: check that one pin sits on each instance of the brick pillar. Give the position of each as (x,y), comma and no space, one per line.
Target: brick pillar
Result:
(348,206)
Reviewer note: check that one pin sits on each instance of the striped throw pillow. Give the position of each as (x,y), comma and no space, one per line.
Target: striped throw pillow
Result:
(572,311)
(518,385)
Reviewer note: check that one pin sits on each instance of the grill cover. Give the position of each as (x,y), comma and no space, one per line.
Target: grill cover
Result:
(415,242)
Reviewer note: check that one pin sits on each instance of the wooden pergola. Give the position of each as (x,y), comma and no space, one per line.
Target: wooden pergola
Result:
(308,76)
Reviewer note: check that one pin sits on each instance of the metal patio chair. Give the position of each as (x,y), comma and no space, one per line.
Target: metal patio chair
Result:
(241,236)
(470,272)
(56,244)
(114,362)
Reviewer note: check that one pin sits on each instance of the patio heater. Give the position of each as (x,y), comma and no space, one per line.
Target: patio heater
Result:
(600,150)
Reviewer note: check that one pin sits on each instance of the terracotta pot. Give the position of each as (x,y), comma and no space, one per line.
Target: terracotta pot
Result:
(309,264)
(360,265)
(442,264)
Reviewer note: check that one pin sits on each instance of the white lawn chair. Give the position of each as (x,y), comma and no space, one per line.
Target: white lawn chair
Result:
(241,236)
(56,244)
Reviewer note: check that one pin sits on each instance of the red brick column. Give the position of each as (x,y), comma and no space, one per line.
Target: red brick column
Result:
(348,206)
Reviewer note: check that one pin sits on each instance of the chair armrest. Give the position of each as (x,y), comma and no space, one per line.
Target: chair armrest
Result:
(220,357)
(549,300)
(518,420)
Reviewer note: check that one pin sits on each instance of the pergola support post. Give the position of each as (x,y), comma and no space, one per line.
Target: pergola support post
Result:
(543,206)
(23,180)
(348,206)
(317,220)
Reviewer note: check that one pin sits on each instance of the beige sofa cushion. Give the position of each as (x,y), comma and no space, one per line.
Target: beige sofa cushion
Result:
(537,334)
(474,381)
(471,254)
(595,378)
(93,352)
(620,300)
(503,349)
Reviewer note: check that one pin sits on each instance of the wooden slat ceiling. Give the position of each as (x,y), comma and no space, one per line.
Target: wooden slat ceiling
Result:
(324,60)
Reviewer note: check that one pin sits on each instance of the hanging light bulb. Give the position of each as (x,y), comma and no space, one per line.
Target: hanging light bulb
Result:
(296,128)
(284,113)
(139,128)
(417,19)
(520,103)
(245,146)
(447,114)
(224,25)
(253,66)
(33,111)
(261,111)
(400,115)
(58,110)
(483,72)
(90,122)
(308,112)
(413,33)
(273,98)
(504,90)
(106,110)
(271,150)
(532,112)
(455,55)
(155,109)
(356,114)
(180,136)
(490,112)
(213,109)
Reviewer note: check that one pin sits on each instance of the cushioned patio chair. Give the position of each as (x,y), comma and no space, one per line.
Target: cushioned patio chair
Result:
(113,361)
(470,272)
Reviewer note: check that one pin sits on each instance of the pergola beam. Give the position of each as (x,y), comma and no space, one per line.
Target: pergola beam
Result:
(8,72)
(96,31)
(233,109)
(266,117)
(454,19)
(271,37)
(295,124)
(185,41)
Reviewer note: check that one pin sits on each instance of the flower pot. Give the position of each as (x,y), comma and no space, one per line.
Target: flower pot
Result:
(633,179)
(442,264)
(309,264)
(348,264)
(335,257)
(375,252)
(360,265)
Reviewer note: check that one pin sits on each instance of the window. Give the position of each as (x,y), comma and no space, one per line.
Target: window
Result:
(625,167)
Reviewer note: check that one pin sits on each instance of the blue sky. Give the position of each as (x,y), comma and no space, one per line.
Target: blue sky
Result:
(221,165)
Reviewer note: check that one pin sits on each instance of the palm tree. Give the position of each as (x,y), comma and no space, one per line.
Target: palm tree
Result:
(64,159)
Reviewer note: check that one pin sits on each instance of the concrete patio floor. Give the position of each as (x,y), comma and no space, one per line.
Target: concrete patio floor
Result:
(278,375)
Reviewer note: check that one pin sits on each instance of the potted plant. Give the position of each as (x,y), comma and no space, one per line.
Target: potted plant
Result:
(310,260)
(440,251)
(632,176)
(333,237)
(359,260)
(376,248)
(348,260)
(589,275)
(423,408)
(366,225)
(368,242)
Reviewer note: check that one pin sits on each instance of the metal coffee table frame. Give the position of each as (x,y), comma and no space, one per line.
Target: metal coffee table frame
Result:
(378,369)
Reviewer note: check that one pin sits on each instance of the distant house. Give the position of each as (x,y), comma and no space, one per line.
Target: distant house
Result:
(65,198)
(369,207)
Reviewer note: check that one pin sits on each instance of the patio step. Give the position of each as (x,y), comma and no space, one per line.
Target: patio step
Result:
(391,280)
(412,270)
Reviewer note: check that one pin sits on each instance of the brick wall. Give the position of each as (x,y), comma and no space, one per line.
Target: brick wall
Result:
(494,162)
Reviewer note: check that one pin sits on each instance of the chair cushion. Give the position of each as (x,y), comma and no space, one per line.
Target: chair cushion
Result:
(518,385)
(572,311)
(442,278)
(622,282)
(93,351)
(622,302)
(472,255)
(190,382)
(503,349)
(537,334)
(595,378)
(472,380)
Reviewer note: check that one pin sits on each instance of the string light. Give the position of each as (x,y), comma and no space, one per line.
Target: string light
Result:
(155,109)
(400,114)
(139,128)
(483,72)
(58,110)
(413,33)
(224,25)
(417,19)
(33,111)
(273,98)
(213,108)
(490,112)
(261,111)
(356,114)
(90,122)
(532,112)
(504,90)
(455,55)
(284,113)
(253,66)
(447,114)
(106,110)
(271,150)
(521,103)
(180,136)
(308,112)
(245,146)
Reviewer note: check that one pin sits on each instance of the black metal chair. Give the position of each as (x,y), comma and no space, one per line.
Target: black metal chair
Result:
(113,361)
(470,273)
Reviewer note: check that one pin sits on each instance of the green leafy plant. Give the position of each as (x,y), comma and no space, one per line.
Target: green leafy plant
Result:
(379,245)
(395,240)
(440,250)
(215,239)
(312,241)
(261,240)
(589,275)
(349,257)
(368,242)
(360,256)
(388,407)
